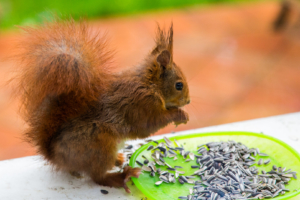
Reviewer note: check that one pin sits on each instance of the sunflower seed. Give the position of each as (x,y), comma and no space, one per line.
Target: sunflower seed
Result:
(192,156)
(139,163)
(146,168)
(158,182)
(263,154)
(163,178)
(104,191)
(182,197)
(152,173)
(146,162)
(267,161)
(150,147)
(176,142)
(168,142)
(171,169)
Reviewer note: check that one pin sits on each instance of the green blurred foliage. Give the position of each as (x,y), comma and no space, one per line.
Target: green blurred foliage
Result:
(25,12)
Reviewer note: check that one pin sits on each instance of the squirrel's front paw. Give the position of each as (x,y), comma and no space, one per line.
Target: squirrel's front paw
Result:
(181,118)
(130,172)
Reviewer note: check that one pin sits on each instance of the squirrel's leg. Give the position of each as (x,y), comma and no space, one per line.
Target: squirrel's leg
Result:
(108,156)
(120,159)
(118,179)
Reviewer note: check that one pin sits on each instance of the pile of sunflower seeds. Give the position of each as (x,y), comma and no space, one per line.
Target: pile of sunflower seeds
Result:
(225,168)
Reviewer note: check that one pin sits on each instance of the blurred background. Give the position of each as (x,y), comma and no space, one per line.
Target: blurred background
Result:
(241,58)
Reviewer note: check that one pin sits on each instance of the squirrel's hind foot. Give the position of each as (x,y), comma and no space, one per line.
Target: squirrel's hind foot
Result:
(119,179)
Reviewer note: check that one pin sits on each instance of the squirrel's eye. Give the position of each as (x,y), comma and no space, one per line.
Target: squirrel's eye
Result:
(179,86)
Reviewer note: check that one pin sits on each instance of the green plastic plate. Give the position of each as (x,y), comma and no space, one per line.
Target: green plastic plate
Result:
(280,154)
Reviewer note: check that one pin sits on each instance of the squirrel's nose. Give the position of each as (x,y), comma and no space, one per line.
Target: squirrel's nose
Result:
(188,102)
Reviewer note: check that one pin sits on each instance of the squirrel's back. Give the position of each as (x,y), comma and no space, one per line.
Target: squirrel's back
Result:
(63,70)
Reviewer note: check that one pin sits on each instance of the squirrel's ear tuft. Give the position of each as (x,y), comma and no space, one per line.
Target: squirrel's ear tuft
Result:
(170,39)
(164,47)
(164,58)
(163,40)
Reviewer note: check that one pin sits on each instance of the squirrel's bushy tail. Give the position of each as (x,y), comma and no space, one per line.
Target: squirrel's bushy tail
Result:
(63,67)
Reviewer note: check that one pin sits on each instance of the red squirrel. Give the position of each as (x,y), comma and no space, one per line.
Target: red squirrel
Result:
(78,111)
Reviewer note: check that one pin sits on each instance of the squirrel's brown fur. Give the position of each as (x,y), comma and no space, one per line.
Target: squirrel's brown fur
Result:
(78,111)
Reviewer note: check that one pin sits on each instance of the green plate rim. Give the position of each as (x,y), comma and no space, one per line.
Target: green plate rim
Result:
(142,148)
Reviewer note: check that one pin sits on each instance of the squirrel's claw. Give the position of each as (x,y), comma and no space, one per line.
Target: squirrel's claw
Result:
(130,172)
(126,188)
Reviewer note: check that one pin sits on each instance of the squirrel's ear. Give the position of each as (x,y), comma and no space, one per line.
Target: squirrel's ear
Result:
(164,58)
